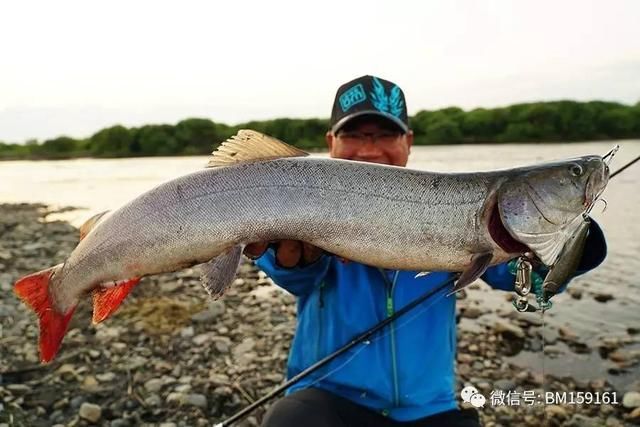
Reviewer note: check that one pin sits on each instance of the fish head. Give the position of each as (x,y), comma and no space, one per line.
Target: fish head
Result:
(542,206)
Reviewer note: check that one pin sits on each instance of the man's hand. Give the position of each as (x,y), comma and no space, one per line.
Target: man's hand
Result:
(289,253)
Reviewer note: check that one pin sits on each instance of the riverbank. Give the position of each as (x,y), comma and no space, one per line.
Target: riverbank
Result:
(171,355)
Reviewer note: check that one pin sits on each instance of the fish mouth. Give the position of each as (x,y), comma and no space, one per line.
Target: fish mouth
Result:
(501,235)
(596,184)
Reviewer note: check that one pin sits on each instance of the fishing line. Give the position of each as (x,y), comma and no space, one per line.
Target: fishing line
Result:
(624,167)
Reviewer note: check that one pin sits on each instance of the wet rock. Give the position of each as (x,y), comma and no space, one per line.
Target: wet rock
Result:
(90,412)
(120,422)
(631,399)
(602,297)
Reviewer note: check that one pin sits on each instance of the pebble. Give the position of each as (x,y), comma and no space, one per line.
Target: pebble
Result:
(106,377)
(574,292)
(187,332)
(504,385)
(579,420)
(77,401)
(556,412)
(201,339)
(509,330)
(245,346)
(631,399)
(18,388)
(90,412)
(195,399)
(472,312)
(153,400)
(183,388)
(634,416)
(154,385)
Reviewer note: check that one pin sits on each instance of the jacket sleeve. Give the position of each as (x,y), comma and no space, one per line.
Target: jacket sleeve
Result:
(297,280)
(500,277)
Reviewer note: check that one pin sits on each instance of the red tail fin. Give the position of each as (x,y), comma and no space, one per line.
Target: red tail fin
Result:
(33,290)
(107,300)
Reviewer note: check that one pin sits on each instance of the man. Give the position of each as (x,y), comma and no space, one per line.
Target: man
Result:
(404,375)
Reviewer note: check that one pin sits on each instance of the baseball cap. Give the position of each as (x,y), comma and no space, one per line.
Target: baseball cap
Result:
(369,95)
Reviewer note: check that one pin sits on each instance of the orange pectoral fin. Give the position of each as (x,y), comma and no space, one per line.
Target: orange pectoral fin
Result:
(33,290)
(107,300)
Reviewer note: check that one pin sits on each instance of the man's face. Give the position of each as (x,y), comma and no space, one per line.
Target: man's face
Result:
(370,141)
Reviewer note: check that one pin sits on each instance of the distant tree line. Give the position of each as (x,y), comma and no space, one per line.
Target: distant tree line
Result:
(531,122)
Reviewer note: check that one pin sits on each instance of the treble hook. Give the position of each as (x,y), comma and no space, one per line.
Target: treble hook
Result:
(603,201)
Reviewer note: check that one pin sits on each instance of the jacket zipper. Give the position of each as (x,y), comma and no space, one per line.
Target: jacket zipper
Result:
(390,286)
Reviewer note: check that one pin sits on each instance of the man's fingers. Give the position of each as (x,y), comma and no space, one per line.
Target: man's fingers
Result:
(255,250)
(289,253)
(310,253)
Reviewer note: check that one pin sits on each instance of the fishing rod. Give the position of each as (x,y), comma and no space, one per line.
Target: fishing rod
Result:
(355,341)
(362,337)
(624,167)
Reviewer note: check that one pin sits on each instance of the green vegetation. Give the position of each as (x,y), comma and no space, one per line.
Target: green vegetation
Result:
(533,122)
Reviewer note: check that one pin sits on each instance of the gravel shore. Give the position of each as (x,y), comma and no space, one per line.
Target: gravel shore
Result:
(172,357)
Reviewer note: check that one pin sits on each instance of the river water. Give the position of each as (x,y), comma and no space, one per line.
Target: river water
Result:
(95,185)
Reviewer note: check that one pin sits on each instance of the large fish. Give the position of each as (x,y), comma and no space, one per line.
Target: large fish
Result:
(259,189)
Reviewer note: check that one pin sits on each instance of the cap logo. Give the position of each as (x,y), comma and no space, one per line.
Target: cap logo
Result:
(392,103)
(354,95)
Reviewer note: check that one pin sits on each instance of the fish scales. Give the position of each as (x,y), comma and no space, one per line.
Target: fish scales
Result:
(379,215)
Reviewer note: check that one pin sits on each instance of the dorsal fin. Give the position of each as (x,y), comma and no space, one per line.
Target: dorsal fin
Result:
(251,146)
(89,224)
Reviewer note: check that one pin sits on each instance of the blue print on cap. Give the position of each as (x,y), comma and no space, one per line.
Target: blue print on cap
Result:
(351,97)
(392,103)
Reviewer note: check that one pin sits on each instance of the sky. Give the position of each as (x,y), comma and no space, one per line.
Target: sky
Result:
(75,67)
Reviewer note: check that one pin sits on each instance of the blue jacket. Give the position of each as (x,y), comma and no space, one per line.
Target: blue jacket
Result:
(407,370)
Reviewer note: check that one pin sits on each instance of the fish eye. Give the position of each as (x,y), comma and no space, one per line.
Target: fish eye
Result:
(576,170)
